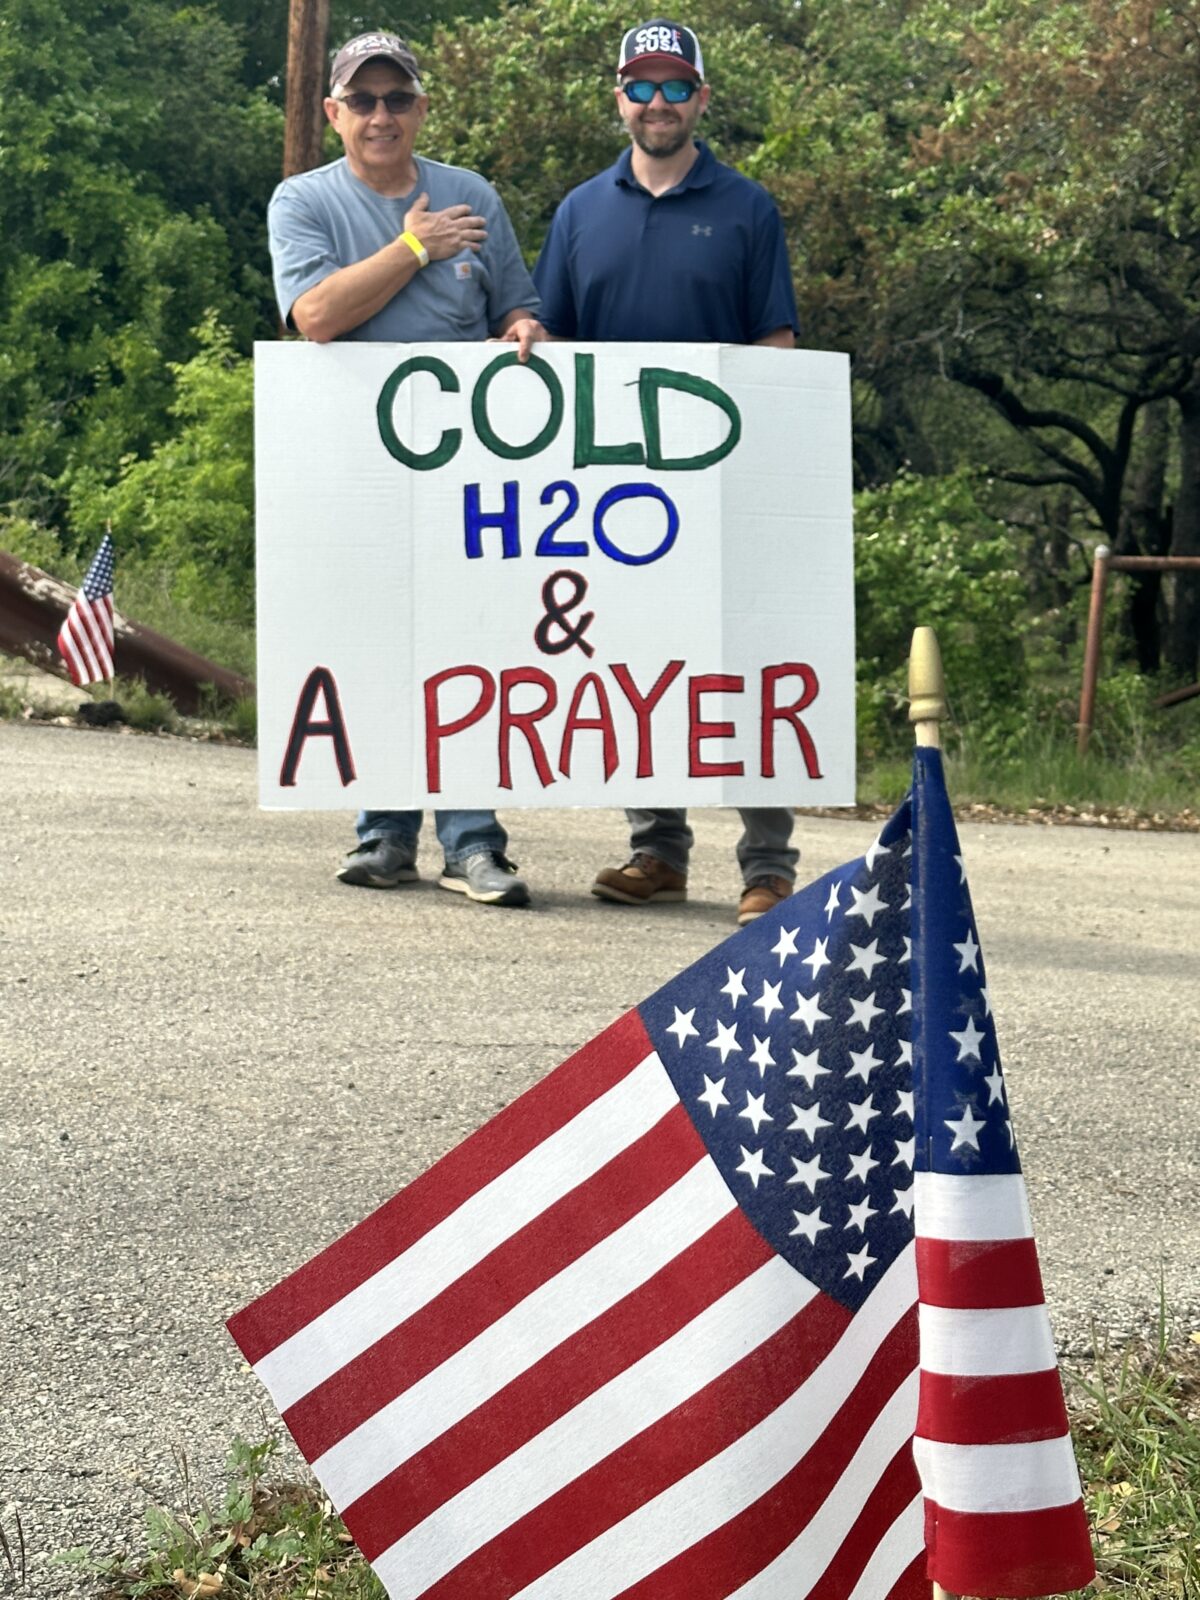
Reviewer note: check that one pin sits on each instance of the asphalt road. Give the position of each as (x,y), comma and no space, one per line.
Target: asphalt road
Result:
(215,1059)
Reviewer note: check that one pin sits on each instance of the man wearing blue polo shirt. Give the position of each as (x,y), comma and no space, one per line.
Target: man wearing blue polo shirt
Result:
(671,245)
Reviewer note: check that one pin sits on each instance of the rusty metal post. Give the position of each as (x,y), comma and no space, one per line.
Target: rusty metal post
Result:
(32,608)
(1177,696)
(1091,650)
(307,64)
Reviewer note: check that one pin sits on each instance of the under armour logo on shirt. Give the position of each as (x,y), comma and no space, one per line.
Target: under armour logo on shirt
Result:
(696,228)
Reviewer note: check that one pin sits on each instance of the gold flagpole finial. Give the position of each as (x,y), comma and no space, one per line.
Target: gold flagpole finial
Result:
(926,687)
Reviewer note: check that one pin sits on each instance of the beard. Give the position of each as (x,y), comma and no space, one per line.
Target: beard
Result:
(663,139)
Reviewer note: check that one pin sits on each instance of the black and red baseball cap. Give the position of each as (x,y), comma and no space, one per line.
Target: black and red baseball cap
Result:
(661,40)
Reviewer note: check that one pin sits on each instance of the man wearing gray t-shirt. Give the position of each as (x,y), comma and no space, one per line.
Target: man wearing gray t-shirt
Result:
(388,246)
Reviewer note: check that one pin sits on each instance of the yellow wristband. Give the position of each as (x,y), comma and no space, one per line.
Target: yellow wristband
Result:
(417,248)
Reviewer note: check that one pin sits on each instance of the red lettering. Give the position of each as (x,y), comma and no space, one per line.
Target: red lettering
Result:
(643,707)
(319,681)
(771,714)
(436,730)
(601,723)
(710,683)
(524,721)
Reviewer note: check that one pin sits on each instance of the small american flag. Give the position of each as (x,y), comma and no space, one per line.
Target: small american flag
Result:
(687,1317)
(85,640)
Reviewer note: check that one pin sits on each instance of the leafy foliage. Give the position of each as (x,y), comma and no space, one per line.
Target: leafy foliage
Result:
(271,1541)
(927,552)
(133,164)
(992,207)
(188,507)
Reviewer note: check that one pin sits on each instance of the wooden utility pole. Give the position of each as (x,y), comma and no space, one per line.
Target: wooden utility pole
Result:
(307,65)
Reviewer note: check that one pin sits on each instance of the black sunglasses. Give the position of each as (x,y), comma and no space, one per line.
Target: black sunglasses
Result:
(675,91)
(396,101)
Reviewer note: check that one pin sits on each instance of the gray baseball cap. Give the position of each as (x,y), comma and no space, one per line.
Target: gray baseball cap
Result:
(372,47)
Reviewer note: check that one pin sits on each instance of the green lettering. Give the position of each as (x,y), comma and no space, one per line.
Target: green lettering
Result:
(653,379)
(479,415)
(451,439)
(587,452)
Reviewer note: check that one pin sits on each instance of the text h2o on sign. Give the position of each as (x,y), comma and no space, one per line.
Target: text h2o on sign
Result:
(561,534)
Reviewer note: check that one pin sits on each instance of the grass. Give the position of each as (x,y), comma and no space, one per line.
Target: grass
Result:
(1140,763)
(140,707)
(145,595)
(1047,776)
(12,703)
(1136,1421)
(270,1540)
(143,708)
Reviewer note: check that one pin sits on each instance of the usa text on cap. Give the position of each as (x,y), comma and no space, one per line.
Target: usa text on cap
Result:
(661,40)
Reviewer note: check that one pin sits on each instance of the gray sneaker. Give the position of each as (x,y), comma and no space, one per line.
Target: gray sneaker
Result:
(379,864)
(488,877)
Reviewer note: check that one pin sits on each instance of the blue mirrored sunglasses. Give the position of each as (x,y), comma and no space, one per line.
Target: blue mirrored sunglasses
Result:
(675,91)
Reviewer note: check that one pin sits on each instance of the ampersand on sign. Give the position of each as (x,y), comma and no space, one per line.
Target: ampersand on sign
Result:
(568,633)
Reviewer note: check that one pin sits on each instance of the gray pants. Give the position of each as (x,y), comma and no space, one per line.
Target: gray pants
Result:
(763,850)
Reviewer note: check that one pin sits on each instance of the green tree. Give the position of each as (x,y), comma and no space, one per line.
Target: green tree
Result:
(133,166)
(187,508)
(1049,260)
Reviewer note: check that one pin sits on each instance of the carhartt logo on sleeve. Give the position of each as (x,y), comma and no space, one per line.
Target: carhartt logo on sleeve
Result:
(462,270)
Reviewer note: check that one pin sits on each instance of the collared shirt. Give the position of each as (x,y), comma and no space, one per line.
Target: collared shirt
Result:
(320,221)
(704,262)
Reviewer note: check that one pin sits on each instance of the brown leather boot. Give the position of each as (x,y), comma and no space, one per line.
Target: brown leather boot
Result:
(760,896)
(640,881)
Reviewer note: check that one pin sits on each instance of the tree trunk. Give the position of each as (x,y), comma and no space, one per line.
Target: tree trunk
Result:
(1183,637)
(1145,531)
(307,64)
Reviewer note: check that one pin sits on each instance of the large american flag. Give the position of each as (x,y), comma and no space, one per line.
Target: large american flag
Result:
(85,640)
(665,1327)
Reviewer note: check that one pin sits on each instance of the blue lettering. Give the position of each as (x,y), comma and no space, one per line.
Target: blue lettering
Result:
(475,520)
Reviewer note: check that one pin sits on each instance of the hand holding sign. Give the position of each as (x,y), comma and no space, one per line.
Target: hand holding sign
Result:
(445,233)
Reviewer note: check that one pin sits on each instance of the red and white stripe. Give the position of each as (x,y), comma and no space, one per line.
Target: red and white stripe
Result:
(85,640)
(563,1364)
(1003,1510)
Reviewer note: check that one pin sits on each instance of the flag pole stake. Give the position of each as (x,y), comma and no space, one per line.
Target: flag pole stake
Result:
(926,709)
(926,688)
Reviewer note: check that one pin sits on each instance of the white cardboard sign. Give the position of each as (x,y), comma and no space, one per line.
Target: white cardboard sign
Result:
(620,575)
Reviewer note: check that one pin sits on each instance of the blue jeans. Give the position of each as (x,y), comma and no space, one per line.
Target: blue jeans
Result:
(763,850)
(460,833)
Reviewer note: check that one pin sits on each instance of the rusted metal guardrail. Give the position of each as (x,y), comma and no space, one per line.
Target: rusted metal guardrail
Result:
(32,608)
(1104,563)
